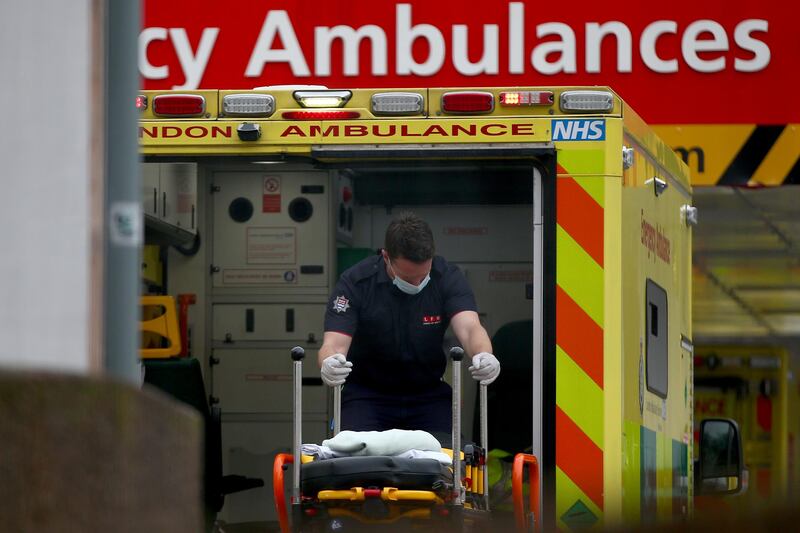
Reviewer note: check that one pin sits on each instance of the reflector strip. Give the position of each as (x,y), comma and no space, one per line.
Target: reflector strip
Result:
(580,356)
(179,105)
(320,115)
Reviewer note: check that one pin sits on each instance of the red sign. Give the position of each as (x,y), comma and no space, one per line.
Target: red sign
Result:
(675,62)
(272,195)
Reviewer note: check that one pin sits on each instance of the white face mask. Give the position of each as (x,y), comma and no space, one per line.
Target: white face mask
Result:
(407,287)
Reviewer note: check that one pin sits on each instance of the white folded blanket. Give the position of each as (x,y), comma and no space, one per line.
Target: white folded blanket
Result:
(324,452)
(390,442)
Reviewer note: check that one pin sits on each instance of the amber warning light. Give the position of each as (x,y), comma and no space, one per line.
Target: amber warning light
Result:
(526,98)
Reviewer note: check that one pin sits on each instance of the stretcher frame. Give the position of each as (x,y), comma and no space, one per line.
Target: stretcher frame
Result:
(453,506)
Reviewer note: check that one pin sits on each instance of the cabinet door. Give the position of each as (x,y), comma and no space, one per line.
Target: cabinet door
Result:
(178,186)
(260,381)
(290,323)
(271,229)
(150,186)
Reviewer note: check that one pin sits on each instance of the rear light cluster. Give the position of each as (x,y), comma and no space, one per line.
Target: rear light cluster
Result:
(324,104)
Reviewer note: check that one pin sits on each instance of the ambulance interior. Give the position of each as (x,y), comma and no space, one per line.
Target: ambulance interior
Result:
(271,240)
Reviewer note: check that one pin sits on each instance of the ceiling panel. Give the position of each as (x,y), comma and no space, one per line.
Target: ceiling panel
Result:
(747,262)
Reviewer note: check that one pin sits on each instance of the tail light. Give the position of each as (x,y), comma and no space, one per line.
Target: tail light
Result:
(179,105)
(467,102)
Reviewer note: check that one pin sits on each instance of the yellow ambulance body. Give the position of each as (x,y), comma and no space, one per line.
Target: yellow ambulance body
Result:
(606,220)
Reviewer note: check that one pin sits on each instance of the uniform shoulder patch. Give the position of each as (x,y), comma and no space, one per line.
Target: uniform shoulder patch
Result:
(341,304)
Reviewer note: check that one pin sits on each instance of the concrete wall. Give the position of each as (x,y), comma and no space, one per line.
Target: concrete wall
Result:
(47,63)
(81,454)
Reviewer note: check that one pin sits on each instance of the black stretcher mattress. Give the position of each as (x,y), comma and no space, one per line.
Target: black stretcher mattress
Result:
(371,471)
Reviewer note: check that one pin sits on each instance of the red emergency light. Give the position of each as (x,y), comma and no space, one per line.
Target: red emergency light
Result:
(320,115)
(467,102)
(179,105)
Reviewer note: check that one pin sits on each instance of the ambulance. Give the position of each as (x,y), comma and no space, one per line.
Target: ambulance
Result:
(755,386)
(570,218)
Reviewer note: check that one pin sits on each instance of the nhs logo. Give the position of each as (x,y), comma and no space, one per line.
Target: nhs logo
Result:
(579,129)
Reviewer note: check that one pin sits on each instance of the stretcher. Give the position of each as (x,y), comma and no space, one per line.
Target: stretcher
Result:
(383,492)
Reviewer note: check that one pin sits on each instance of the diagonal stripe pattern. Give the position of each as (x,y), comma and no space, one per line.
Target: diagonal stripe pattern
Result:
(579,340)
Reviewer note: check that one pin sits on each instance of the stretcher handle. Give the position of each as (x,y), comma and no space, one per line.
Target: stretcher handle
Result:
(277,488)
(484,417)
(298,354)
(337,409)
(457,355)
(520,461)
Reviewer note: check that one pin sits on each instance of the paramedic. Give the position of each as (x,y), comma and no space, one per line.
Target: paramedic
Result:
(384,328)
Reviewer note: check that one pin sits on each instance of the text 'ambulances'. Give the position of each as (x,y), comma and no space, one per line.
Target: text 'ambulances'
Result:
(656,242)
(547,47)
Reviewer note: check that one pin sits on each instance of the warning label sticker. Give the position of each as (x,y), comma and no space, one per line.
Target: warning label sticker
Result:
(271,202)
(258,276)
(271,246)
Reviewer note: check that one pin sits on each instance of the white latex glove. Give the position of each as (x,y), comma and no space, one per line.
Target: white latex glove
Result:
(485,368)
(335,369)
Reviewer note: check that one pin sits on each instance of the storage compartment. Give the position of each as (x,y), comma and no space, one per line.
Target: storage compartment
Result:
(291,323)
(169,202)
(260,381)
(271,228)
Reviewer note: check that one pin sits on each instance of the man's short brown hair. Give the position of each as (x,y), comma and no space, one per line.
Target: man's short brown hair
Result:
(409,237)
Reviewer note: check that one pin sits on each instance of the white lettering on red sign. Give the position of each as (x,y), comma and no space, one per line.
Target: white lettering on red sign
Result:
(664,46)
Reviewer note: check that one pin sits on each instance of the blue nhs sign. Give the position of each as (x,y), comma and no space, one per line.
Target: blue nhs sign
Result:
(579,129)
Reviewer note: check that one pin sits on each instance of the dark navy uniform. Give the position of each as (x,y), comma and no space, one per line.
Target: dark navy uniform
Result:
(397,354)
